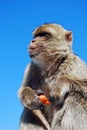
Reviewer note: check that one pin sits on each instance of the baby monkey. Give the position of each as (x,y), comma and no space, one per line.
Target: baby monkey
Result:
(56,72)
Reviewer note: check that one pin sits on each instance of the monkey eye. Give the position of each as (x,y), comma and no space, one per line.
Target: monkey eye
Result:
(43,34)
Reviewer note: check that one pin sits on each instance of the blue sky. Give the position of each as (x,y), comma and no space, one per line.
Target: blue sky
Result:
(18,18)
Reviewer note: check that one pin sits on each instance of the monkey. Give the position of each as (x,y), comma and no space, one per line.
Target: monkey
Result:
(61,76)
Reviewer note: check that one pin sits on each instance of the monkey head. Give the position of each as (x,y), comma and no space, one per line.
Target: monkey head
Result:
(50,40)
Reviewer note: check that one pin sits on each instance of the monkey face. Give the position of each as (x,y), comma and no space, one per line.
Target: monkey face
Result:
(36,45)
(49,40)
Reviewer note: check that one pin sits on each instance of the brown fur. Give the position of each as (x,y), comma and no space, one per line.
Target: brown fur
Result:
(61,76)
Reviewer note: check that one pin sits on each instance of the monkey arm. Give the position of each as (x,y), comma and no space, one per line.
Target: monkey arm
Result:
(28,93)
(67,85)
(29,98)
(74,85)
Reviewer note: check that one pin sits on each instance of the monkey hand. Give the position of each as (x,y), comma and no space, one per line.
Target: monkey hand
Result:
(56,98)
(57,101)
(29,98)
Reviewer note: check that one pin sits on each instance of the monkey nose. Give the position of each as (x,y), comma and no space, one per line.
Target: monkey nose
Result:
(33,40)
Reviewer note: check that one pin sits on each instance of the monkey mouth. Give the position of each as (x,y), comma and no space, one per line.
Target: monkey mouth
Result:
(33,55)
(33,51)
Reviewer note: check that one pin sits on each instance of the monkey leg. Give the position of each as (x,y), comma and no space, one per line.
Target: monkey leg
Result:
(33,120)
(72,116)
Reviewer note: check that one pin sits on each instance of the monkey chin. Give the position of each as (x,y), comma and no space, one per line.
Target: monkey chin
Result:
(33,55)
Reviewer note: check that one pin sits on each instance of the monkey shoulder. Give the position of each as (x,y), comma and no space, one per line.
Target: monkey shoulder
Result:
(74,66)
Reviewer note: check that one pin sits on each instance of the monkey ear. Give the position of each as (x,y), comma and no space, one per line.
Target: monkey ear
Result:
(68,36)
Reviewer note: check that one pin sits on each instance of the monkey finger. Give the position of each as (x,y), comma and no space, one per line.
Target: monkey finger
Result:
(39,92)
(34,105)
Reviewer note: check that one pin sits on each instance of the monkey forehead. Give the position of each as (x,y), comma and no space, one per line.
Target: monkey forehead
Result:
(49,28)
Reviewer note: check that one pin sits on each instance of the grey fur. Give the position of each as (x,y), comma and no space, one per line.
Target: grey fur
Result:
(62,76)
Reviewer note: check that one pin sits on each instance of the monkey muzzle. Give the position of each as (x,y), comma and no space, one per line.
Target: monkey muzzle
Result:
(33,50)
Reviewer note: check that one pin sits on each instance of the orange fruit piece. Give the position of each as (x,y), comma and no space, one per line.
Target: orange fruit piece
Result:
(44,99)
